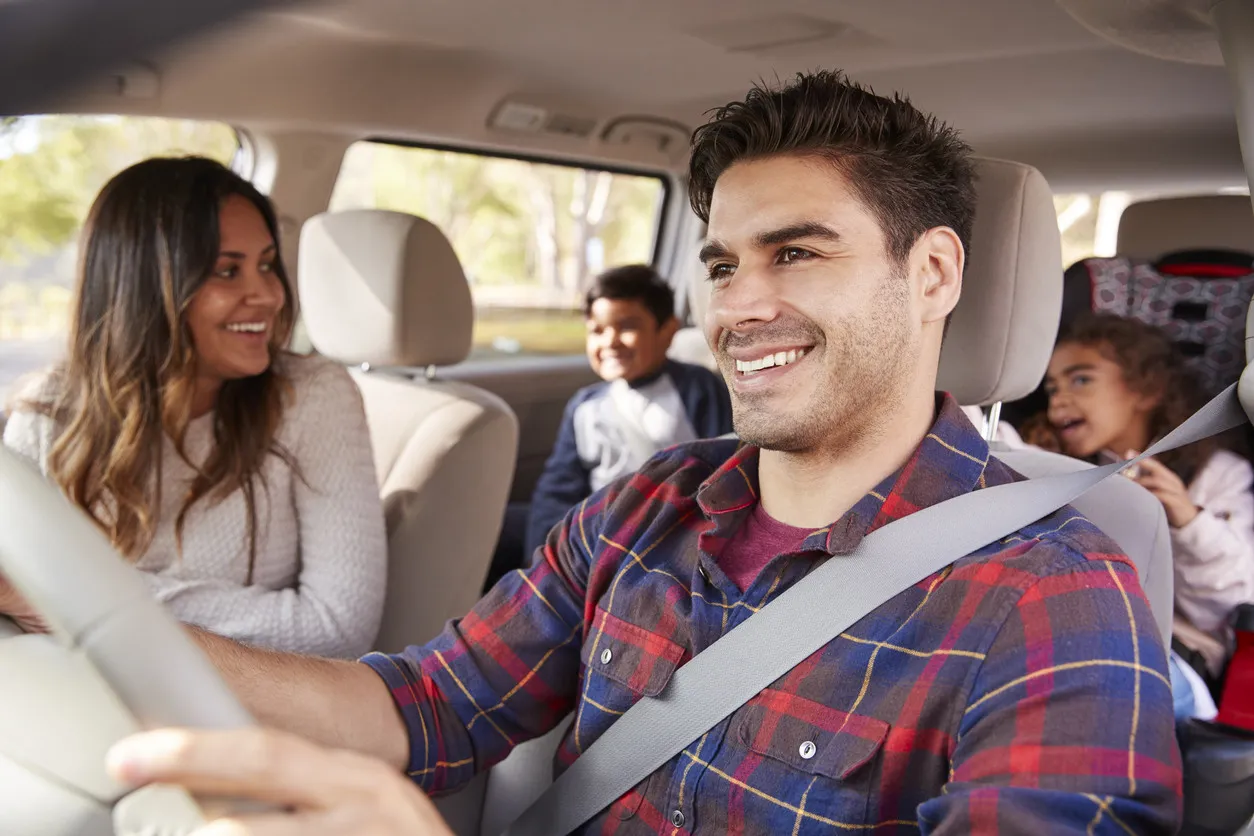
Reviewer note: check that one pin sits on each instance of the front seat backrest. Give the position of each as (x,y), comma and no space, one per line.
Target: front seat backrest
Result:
(384,291)
(689,345)
(999,344)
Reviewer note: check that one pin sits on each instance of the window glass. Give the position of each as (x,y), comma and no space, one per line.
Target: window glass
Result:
(529,235)
(51,168)
(1089,224)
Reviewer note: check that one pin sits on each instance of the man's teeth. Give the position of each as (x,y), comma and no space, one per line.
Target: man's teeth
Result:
(247,327)
(770,361)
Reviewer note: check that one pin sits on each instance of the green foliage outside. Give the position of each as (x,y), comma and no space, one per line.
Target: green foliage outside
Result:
(51,168)
(529,235)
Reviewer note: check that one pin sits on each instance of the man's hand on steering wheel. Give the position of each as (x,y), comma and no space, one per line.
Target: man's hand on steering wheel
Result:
(328,792)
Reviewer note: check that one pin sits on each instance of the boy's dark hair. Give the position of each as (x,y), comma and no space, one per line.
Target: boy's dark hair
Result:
(634,281)
(911,170)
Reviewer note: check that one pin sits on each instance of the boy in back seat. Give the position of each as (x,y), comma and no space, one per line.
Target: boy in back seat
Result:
(644,404)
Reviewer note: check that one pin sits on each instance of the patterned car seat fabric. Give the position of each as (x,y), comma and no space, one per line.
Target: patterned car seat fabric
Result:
(1199,298)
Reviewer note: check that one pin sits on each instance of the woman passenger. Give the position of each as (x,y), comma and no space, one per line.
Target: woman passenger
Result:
(235,475)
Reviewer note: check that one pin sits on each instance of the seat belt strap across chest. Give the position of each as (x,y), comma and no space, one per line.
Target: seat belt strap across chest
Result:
(809,615)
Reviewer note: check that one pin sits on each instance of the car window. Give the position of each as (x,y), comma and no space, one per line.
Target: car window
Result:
(530,235)
(51,168)
(1089,223)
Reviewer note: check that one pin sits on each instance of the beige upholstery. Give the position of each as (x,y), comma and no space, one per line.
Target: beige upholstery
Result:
(384,290)
(689,345)
(388,291)
(1002,332)
(1153,228)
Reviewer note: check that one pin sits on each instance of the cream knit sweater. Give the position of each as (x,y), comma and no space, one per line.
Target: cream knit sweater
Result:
(321,559)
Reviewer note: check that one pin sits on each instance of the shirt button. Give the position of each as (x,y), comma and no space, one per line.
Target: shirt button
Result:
(677,818)
(807,750)
(606,656)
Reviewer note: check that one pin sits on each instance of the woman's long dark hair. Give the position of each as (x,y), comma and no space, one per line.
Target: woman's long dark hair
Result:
(1153,366)
(151,240)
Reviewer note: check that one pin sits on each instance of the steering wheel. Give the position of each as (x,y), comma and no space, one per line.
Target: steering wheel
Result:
(115,663)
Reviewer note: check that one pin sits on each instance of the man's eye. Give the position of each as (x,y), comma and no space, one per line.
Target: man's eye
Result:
(790,254)
(720,272)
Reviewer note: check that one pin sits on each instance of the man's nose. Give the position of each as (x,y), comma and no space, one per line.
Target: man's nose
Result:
(748,297)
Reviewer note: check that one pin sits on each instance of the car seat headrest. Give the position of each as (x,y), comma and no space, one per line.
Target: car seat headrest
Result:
(383,288)
(1002,332)
(1151,229)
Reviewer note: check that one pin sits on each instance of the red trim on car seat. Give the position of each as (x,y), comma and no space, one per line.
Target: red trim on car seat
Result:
(1206,271)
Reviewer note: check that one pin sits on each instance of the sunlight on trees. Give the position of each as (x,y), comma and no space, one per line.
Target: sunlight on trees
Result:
(51,168)
(530,236)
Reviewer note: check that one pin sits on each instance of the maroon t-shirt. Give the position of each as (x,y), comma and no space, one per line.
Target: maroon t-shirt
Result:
(760,539)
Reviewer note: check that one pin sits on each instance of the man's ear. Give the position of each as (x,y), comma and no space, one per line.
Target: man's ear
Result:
(938,260)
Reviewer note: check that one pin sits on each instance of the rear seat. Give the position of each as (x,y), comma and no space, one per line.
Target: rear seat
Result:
(1185,264)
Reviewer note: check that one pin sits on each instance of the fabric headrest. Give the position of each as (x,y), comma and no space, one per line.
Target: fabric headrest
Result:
(383,288)
(1153,228)
(1002,333)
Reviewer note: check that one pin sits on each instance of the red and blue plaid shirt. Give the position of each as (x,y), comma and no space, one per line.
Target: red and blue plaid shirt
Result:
(1021,690)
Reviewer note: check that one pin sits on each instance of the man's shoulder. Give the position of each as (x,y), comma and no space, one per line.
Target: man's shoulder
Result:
(1062,542)
(674,473)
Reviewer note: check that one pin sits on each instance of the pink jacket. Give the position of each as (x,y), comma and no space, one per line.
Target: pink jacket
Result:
(1214,554)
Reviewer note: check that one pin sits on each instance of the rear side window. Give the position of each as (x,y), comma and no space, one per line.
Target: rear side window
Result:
(530,235)
(51,168)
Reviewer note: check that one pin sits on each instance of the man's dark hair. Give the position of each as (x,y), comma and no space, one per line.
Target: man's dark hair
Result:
(911,170)
(634,281)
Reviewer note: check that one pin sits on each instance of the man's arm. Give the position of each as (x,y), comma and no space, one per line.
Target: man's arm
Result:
(343,705)
(506,672)
(1069,725)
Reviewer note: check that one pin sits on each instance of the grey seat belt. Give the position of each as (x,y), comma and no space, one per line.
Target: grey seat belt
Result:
(809,615)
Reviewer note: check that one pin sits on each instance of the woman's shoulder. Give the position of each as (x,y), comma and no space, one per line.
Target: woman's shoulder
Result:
(306,372)
(29,426)
(35,392)
(318,385)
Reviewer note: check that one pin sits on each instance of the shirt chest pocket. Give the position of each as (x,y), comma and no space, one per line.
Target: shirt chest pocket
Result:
(623,663)
(822,761)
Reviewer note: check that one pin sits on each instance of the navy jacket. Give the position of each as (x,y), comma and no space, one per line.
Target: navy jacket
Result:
(567,477)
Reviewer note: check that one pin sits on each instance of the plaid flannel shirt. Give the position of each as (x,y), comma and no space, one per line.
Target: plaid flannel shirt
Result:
(1023,689)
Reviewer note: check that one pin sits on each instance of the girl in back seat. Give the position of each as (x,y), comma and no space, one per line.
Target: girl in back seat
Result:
(237,476)
(1117,385)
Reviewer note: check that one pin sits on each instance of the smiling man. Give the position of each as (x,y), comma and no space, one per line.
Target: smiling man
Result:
(1021,690)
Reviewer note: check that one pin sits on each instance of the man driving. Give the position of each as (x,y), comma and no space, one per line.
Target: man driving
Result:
(1021,690)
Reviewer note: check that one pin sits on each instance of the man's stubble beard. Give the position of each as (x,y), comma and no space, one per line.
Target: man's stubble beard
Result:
(862,378)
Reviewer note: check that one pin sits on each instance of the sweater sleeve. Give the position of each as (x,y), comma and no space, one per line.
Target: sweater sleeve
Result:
(24,434)
(563,484)
(336,605)
(27,432)
(1214,554)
